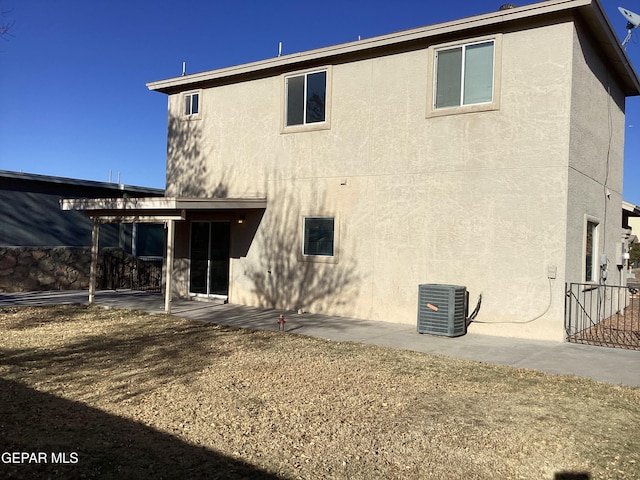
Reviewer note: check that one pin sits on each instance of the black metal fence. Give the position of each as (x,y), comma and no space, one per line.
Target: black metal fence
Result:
(605,315)
(118,270)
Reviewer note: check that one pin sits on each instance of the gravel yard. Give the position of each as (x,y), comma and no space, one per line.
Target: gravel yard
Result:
(121,395)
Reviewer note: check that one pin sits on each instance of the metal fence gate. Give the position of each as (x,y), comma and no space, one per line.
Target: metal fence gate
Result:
(118,270)
(605,315)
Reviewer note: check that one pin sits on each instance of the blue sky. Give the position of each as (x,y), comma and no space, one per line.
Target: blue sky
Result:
(73,100)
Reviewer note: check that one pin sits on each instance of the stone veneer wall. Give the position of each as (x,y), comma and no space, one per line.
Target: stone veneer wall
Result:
(24,269)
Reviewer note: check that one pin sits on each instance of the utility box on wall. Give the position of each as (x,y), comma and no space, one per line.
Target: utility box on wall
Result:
(442,309)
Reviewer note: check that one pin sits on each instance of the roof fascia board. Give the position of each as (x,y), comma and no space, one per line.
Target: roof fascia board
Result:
(374,43)
(613,49)
(220,203)
(94,204)
(32,177)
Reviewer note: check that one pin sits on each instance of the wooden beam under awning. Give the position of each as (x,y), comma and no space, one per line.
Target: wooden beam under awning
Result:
(150,210)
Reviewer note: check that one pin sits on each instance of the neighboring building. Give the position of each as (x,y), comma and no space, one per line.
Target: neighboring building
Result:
(485,152)
(631,232)
(631,219)
(634,224)
(31,214)
(45,248)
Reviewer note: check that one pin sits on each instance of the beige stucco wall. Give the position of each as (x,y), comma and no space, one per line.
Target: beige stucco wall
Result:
(596,161)
(478,199)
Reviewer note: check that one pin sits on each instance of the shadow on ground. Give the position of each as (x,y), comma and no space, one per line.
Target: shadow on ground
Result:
(572,476)
(98,445)
(115,348)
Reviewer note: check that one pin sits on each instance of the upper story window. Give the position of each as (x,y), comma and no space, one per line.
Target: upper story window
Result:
(466,76)
(306,98)
(191,104)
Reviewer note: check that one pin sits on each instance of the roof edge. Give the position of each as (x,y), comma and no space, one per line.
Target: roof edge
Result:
(397,38)
(33,177)
(632,209)
(371,43)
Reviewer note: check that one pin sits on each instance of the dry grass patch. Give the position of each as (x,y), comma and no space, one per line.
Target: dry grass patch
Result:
(140,396)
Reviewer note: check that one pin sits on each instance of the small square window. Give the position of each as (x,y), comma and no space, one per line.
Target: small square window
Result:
(191,104)
(305,98)
(319,236)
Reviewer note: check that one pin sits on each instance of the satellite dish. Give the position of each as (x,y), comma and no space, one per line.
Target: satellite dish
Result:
(633,22)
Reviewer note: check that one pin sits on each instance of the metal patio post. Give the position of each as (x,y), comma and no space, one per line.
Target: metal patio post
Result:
(95,235)
(169,270)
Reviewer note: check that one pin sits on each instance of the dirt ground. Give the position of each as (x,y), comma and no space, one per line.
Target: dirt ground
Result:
(122,395)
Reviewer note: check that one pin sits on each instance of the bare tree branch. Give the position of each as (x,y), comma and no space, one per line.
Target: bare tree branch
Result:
(5,25)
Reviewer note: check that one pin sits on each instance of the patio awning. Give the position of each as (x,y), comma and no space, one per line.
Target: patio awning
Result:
(152,209)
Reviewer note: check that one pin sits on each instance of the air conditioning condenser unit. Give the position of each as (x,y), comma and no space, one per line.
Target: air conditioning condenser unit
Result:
(442,309)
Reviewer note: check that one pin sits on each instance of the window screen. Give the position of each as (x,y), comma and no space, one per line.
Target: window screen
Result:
(295,100)
(449,78)
(478,73)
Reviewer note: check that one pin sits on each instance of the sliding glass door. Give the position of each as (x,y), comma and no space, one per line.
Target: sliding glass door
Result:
(209,273)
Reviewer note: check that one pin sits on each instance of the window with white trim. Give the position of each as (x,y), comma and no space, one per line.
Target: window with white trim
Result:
(318,237)
(591,252)
(191,104)
(464,75)
(305,98)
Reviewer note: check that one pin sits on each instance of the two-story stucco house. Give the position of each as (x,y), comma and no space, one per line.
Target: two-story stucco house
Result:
(485,152)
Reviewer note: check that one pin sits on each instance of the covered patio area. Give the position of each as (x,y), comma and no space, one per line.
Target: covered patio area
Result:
(167,210)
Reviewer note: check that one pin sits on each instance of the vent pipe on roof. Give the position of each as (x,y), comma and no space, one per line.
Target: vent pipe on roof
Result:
(506,6)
